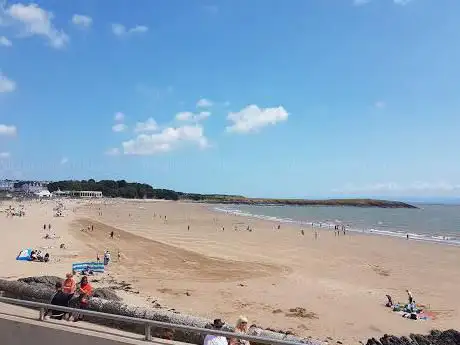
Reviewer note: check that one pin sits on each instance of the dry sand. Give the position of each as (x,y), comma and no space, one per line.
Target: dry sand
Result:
(340,282)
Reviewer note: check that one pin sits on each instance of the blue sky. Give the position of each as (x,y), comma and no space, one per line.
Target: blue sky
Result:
(299,98)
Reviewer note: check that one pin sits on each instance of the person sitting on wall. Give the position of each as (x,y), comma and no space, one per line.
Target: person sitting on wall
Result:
(60,298)
(216,339)
(85,291)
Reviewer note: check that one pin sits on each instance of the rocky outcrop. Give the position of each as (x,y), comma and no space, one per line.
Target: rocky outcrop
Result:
(450,337)
(42,292)
(303,202)
(49,282)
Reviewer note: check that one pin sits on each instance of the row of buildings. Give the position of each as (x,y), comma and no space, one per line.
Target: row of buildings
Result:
(40,189)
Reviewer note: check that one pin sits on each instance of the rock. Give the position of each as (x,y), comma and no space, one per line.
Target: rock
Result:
(449,337)
(106,293)
(42,281)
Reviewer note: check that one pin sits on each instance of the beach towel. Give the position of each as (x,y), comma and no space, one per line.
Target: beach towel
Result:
(24,255)
(96,267)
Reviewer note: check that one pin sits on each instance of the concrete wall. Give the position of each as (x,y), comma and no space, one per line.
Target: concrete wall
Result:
(20,331)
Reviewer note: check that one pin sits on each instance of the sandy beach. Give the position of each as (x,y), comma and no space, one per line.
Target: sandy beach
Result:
(206,263)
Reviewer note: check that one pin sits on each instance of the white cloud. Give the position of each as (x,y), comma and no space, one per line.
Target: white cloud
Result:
(167,140)
(121,30)
(6,85)
(113,151)
(5,42)
(64,160)
(33,20)
(184,115)
(139,28)
(119,127)
(148,126)
(5,155)
(204,103)
(226,104)
(252,118)
(119,116)
(380,104)
(189,116)
(82,20)
(8,130)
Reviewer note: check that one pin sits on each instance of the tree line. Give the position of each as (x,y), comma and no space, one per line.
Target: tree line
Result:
(131,190)
(115,189)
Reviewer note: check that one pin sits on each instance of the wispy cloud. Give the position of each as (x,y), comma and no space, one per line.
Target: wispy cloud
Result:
(5,42)
(380,104)
(7,130)
(204,103)
(6,84)
(150,125)
(189,116)
(82,20)
(119,127)
(121,30)
(119,116)
(32,20)
(5,155)
(252,118)
(64,160)
(113,151)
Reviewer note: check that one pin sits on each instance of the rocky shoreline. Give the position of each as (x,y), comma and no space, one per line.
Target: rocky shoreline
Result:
(302,202)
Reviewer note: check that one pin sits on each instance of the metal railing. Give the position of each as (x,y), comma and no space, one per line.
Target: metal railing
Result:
(43,307)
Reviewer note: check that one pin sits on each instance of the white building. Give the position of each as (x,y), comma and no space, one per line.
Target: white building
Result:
(43,194)
(79,194)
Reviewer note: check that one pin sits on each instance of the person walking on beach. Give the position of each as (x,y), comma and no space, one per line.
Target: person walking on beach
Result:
(111,234)
(410,297)
(316,235)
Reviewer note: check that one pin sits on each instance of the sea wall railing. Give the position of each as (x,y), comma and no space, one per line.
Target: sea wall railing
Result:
(43,307)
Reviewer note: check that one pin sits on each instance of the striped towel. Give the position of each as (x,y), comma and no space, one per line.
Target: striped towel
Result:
(96,267)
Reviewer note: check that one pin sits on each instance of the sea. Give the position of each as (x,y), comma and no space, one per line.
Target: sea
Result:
(429,222)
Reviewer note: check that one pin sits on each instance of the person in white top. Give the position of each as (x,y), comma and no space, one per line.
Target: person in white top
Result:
(216,339)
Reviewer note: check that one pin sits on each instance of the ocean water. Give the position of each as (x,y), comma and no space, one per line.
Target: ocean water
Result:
(434,223)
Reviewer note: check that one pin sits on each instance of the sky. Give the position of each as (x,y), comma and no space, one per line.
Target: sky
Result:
(298,98)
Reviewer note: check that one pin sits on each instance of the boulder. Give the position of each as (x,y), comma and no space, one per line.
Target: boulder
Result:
(449,337)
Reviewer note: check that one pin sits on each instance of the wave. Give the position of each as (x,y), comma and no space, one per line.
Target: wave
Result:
(329,225)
